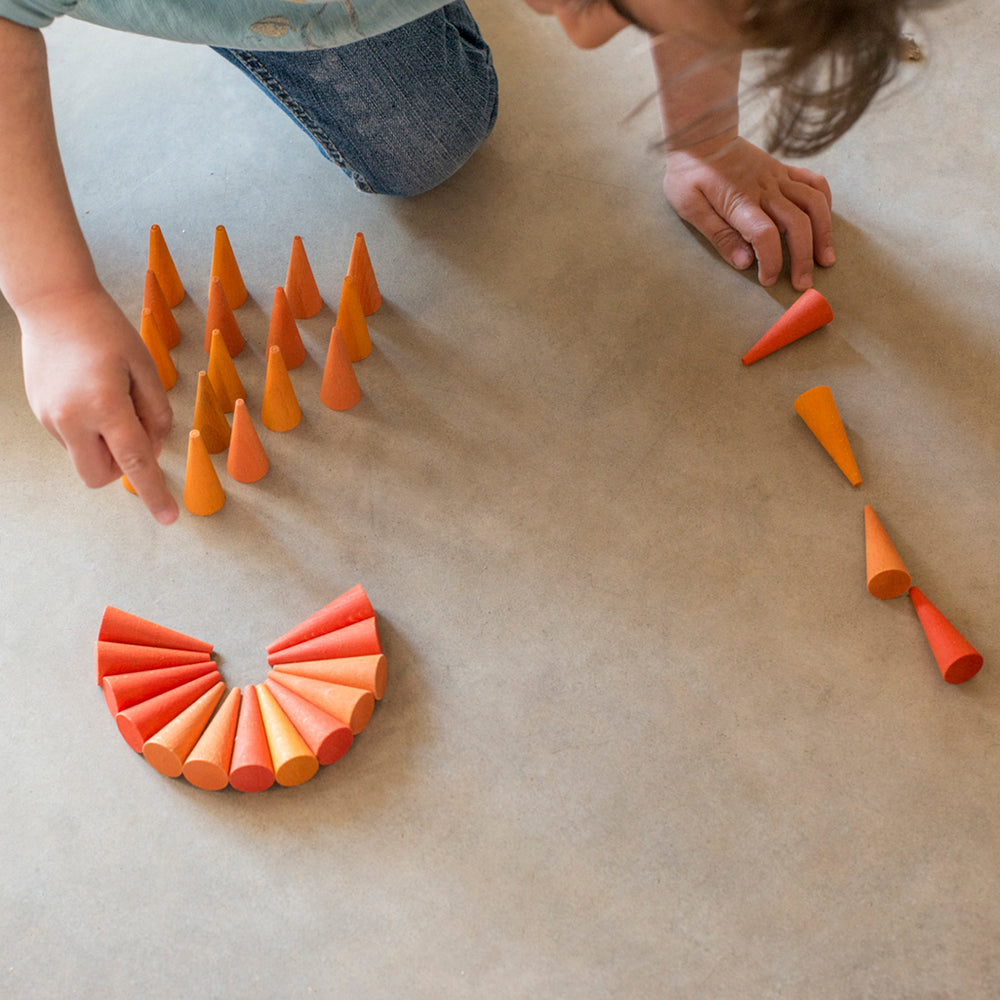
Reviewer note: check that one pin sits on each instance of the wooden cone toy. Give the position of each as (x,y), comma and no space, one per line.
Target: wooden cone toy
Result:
(155,301)
(250,769)
(207,765)
(339,389)
(141,721)
(352,322)
(279,409)
(203,493)
(162,265)
(327,737)
(223,375)
(359,639)
(366,672)
(956,658)
(350,607)
(246,462)
(125,482)
(153,340)
(817,408)
(209,418)
(220,317)
(352,706)
(887,576)
(283,331)
(167,749)
(294,763)
(125,658)
(300,283)
(225,268)
(123,626)
(122,691)
(360,269)
(808,313)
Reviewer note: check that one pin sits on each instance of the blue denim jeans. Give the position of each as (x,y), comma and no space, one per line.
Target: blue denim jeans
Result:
(399,112)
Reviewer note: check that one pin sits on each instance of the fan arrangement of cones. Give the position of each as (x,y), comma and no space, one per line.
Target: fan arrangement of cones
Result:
(171,704)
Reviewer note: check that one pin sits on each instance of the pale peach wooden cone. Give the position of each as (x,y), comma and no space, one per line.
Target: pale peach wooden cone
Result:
(366,672)
(153,339)
(360,269)
(228,271)
(283,331)
(220,317)
(162,265)
(247,461)
(155,301)
(167,749)
(207,765)
(353,706)
(209,418)
(339,389)
(887,576)
(352,322)
(279,410)
(300,283)
(203,493)
(294,763)
(223,375)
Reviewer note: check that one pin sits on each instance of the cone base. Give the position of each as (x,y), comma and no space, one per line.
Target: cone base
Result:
(251,778)
(963,669)
(888,584)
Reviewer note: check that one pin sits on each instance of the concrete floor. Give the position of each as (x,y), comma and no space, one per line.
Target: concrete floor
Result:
(646,733)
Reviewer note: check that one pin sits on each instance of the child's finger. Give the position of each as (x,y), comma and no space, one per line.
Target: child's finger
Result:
(731,246)
(151,405)
(134,454)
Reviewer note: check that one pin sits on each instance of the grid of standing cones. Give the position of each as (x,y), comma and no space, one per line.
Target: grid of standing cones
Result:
(887,576)
(171,704)
(220,389)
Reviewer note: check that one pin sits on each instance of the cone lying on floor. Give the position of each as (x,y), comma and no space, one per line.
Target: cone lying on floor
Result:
(350,607)
(279,409)
(887,576)
(247,461)
(223,375)
(326,736)
(359,639)
(300,283)
(220,317)
(167,749)
(155,301)
(360,269)
(225,268)
(203,493)
(207,765)
(808,313)
(122,626)
(366,672)
(138,723)
(153,339)
(113,658)
(283,331)
(956,658)
(351,706)
(250,769)
(162,265)
(817,408)
(122,691)
(294,763)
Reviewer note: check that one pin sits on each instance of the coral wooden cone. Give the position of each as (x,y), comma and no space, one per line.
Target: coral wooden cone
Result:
(300,283)
(122,691)
(283,331)
(360,269)
(223,375)
(209,418)
(887,576)
(352,706)
(339,389)
(141,721)
(125,658)
(162,265)
(225,268)
(808,313)
(352,322)
(350,607)
(123,626)
(294,763)
(359,639)
(366,672)
(279,409)
(155,301)
(246,462)
(207,765)
(220,317)
(327,737)
(250,769)
(817,408)
(167,749)
(203,493)
(153,340)
(956,658)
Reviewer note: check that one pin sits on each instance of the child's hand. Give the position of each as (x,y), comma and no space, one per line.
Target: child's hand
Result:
(745,202)
(94,387)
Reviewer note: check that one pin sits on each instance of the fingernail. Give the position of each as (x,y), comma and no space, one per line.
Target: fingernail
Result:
(742,259)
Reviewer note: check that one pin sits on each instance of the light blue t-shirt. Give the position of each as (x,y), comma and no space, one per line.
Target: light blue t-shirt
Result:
(233,24)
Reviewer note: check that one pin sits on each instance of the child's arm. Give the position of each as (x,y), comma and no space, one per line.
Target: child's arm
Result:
(89,378)
(739,197)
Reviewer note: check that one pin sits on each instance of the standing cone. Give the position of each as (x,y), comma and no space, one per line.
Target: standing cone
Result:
(352,322)
(209,418)
(887,576)
(352,706)
(222,373)
(207,765)
(122,626)
(167,749)
(162,265)
(247,461)
(359,639)
(808,313)
(294,763)
(300,284)
(283,331)
(817,408)
(155,301)
(366,672)
(250,769)
(327,737)
(122,691)
(957,660)
(224,267)
(279,410)
(350,607)
(153,340)
(141,721)
(360,269)
(339,389)
(203,493)
(220,317)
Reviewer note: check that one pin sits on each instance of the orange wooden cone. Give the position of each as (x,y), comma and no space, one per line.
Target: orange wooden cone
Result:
(350,607)
(155,301)
(123,626)
(339,389)
(129,486)
(225,268)
(366,672)
(808,313)
(327,737)
(887,576)
(141,721)
(279,409)
(360,269)
(167,749)
(246,461)
(122,691)
(162,265)
(817,408)
(125,658)
(956,658)
(352,706)
(209,418)
(300,283)
(153,340)
(352,322)
(207,765)
(220,317)
(283,331)
(223,375)
(250,769)
(203,493)
(294,763)
(359,639)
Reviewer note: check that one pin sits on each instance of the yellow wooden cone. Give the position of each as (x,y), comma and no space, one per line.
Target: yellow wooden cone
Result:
(300,283)
(162,265)
(223,375)
(294,763)
(153,340)
(817,408)
(280,410)
(203,493)
(168,749)
(352,322)
(887,576)
(360,269)
(209,418)
(228,271)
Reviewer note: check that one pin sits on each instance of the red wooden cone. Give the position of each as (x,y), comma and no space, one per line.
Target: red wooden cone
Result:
(359,639)
(360,269)
(141,721)
(352,322)
(224,267)
(122,626)
(155,301)
(220,317)
(246,462)
(300,283)
(283,331)
(294,763)
(209,418)
(162,265)
(167,749)
(250,769)
(350,607)
(367,672)
(339,389)
(352,706)
(207,765)
(957,660)
(153,339)
(327,737)
(125,658)
(122,691)
(809,312)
